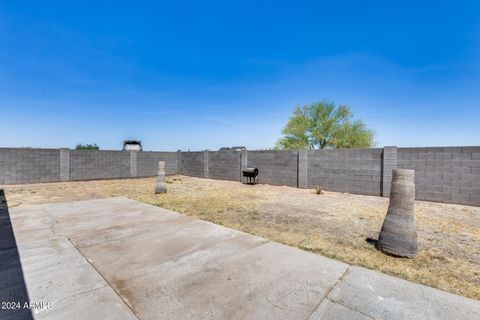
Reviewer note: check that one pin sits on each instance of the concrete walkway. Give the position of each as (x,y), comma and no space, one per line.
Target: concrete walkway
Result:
(122,259)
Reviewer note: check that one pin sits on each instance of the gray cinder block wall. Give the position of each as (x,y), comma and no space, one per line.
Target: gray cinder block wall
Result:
(27,165)
(346,170)
(389,163)
(450,174)
(191,164)
(302,174)
(224,165)
(275,167)
(95,164)
(64,164)
(147,163)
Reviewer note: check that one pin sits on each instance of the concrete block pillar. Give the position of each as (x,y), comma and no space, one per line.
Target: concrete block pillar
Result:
(133,164)
(243,162)
(64,164)
(205,164)
(302,169)
(179,162)
(389,163)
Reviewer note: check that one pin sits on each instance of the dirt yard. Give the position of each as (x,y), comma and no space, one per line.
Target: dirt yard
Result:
(332,224)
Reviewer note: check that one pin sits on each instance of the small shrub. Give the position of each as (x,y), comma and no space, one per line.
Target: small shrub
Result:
(318,190)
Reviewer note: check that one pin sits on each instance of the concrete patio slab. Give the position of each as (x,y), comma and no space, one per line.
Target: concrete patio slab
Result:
(121,259)
(101,303)
(59,281)
(380,296)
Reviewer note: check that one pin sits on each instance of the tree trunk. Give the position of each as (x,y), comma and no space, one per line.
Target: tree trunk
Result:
(398,236)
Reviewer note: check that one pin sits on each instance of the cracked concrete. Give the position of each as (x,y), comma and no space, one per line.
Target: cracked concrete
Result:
(121,259)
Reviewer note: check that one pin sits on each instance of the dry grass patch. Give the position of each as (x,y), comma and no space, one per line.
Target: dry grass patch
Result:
(332,224)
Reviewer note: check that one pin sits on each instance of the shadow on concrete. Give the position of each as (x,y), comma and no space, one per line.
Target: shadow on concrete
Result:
(13,291)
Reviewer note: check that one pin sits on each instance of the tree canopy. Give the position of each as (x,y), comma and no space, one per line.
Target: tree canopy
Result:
(324,125)
(87,146)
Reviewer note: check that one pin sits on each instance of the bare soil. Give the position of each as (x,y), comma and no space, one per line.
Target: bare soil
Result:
(333,224)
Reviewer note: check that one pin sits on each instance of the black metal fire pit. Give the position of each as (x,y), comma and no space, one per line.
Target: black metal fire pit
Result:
(251,175)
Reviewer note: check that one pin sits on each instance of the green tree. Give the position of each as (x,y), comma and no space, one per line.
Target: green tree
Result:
(324,125)
(87,146)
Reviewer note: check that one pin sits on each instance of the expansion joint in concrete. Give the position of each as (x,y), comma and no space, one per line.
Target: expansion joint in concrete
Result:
(340,279)
(354,310)
(94,268)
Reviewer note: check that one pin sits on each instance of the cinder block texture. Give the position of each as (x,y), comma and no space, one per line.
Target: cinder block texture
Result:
(96,164)
(275,167)
(133,164)
(389,163)
(346,170)
(444,174)
(302,174)
(244,159)
(64,164)
(224,165)
(26,165)
(205,164)
(191,164)
(147,163)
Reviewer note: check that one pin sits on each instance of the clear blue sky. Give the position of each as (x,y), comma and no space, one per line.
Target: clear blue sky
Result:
(201,75)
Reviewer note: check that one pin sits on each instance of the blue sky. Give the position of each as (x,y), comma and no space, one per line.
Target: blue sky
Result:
(201,75)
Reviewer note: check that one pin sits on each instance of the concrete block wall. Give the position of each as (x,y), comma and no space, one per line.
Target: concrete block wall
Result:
(64,164)
(95,164)
(205,164)
(147,163)
(275,167)
(449,175)
(302,175)
(346,170)
(26,165)
(133,164)
(389,163)
(191,164)
(224,165)
(444,174)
